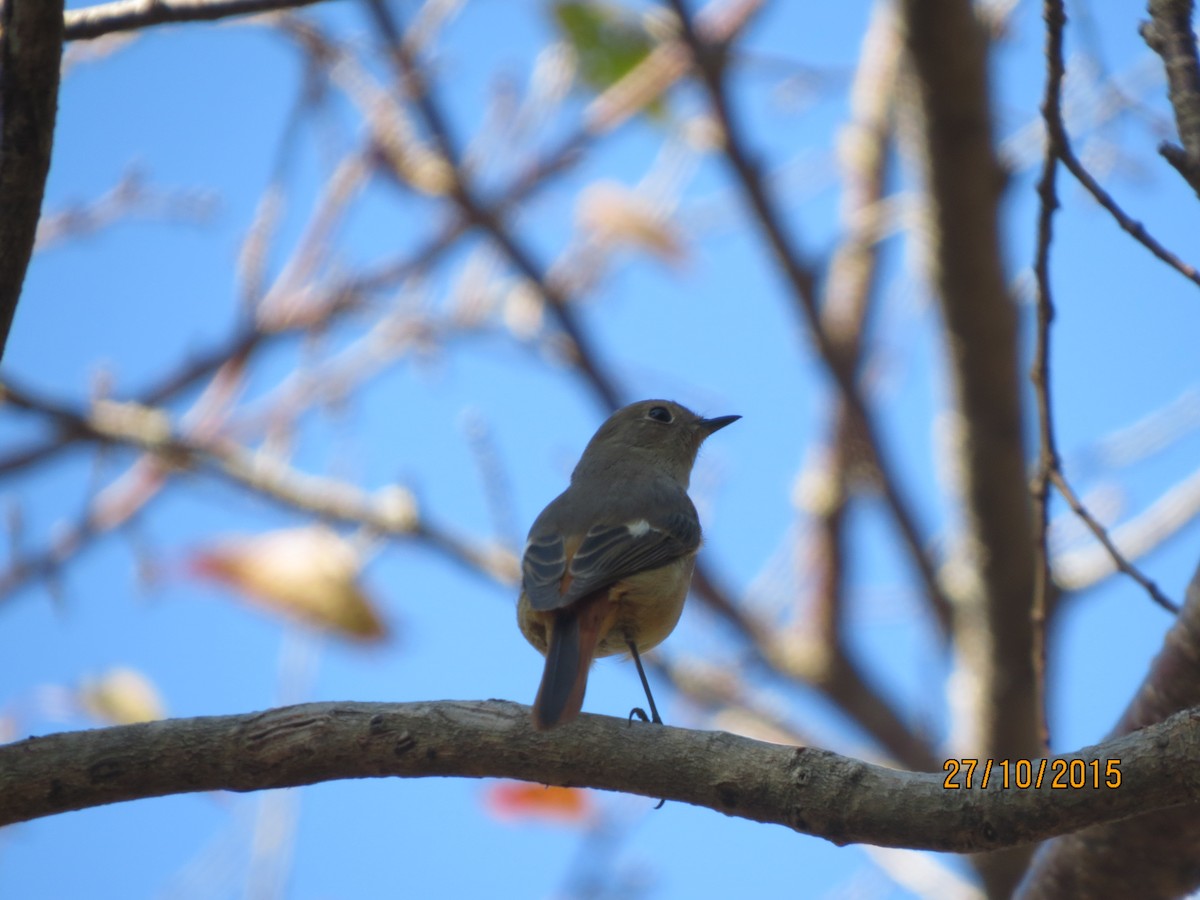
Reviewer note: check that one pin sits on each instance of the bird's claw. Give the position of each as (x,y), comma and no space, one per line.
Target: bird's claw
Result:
(640,714)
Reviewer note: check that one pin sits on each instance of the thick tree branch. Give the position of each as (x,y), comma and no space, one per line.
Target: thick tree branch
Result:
(30,50)
(1169,34)
(948,49)
(864,154)
(131,15)
(810,790)
(994,641)
(1151,856)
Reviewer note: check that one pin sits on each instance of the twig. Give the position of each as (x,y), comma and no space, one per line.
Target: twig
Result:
(391,511)
(246,338)
(1040,372)
(1122,564)
(131,196)
(1057,137)
(1076,570)
(497,486)
(488,219)
(118,504)
(1049,465)
(1135,228)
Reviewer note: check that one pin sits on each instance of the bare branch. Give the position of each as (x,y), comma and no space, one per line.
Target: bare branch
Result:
(948,48)
(802,280)
(810,790)
(1075,570)
(1119,561)
(488,219)
(997,681)
(1048,460)
(131,196)
(1169,34)
(245,339)
(1133,227)
(1148,856)
(864,154)
(131,15)
(390,511)
(30,52)
(1049,463)
(116,505)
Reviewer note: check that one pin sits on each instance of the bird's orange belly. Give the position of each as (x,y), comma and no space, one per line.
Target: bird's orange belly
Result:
(646,607)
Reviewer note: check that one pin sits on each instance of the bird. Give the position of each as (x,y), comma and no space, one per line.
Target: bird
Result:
(608,563)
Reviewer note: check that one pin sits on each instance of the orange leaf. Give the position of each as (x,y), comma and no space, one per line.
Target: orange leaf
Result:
(513,800)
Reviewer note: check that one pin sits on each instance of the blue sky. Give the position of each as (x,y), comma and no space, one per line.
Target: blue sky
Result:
(202,107)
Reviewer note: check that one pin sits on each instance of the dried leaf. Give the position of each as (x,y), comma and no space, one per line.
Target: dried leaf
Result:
(614,214)
(523,311)
(121,696)
(309,574)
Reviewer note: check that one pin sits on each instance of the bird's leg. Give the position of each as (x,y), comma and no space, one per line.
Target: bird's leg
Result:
(637,710)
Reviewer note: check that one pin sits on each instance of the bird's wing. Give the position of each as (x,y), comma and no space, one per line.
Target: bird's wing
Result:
(555,577)
(543,568)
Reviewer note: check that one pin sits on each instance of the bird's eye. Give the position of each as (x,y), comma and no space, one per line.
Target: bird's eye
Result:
(660,414)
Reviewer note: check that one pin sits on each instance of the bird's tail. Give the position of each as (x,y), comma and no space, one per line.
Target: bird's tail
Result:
(574,634)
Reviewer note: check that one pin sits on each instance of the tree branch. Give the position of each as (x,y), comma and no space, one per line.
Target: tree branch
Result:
(1079,569)
(1130,225)
(131,15)
(1039,372)
(390,510)
(30,51)
(488,219)
(809,790)
(801,278)
(1150,856)
(1169,34)
(994,641)
(864,154)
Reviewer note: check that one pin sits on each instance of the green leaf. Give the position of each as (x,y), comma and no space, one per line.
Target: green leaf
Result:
(607,40)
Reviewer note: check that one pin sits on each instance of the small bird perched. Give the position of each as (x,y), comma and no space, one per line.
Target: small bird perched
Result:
(608,563)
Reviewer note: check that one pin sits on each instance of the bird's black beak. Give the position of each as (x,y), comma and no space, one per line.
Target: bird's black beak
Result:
(708,426)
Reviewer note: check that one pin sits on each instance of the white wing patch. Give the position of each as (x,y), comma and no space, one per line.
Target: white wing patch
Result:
(639,528)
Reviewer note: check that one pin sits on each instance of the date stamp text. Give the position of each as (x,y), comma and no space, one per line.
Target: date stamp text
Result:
(1024,774)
